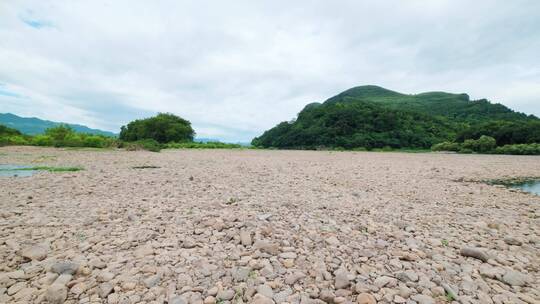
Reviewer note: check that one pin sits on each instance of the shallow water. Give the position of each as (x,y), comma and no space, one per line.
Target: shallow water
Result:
(531,187)
(11,170)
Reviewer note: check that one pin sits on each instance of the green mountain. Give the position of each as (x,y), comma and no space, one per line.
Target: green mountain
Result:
(375,117)
(33,126)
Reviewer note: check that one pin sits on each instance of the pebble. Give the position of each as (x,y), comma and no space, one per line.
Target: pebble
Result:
(225,295)
(365,298)
(515,278)
(37,252)
(245,238)
(56,294)
(65,267)
(476,253)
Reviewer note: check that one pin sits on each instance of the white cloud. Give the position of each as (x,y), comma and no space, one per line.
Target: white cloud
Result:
(236,68)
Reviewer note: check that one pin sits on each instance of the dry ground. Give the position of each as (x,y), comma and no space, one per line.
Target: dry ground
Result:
(267,226)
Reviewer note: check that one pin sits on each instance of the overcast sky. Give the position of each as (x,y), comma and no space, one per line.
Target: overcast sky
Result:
(237,68)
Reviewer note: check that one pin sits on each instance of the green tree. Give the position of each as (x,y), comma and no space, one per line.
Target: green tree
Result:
(163,128)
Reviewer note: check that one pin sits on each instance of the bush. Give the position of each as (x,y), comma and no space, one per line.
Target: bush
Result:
(523,149)
(446,146)
(94,141)
(42,140)
(163,128)
(12,140)
(144,144)
(484,144)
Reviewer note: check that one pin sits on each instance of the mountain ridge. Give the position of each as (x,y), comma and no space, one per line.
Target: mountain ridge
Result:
(34,125)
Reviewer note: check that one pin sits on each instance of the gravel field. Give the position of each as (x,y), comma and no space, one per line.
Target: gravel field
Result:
(256,226)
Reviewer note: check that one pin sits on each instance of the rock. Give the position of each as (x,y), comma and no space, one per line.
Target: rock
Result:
(189,243)
(15,288)
(78,288)
(491,272)
(245,238)
(333,241)
(143,251)
(209,300)
(65,267)
(177,300)
(225,295)
(151,281)
(288,255)
(399,300)
(260,299)
(113,298)
(105,276)
(365,298)
(25,293)
(105,289)
(266,246)
(451,293)
(512,241)
(265,290)
(63,279)
(264,217)
(294,277)
(383,281)
(37,252)
(515,278)
(342,280)
(241,274)
(327,296)
(56,294)
(423,299)
(476,253)
(407,276)
(282,296)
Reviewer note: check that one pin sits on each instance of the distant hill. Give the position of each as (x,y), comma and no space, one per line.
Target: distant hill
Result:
(375,117)
(33,125)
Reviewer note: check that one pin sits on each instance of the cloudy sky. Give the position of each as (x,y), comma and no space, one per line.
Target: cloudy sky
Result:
(236,68)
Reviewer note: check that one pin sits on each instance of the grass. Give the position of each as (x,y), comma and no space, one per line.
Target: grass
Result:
(200,145)
(88,149)
(45,168)
(509,182)
(145,167)
(449,297)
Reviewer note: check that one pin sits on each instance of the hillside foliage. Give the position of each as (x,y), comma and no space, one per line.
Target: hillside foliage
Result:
(373,117)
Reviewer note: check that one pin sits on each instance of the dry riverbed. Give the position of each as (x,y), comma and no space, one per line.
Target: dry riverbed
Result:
(267,227)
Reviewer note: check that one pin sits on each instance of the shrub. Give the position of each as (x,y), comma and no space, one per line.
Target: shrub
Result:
(523,149)
(484,144)
(60,133)
(465,151)
(144,144)
(42,140)
(94,141)
(446,146)
(163,128)
(13,140)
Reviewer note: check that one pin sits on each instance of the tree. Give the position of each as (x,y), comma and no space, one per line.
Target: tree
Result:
(163,128)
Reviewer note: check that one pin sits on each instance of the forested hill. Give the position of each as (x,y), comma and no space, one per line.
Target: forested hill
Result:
(375,117)
(33,125)
(454,106)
